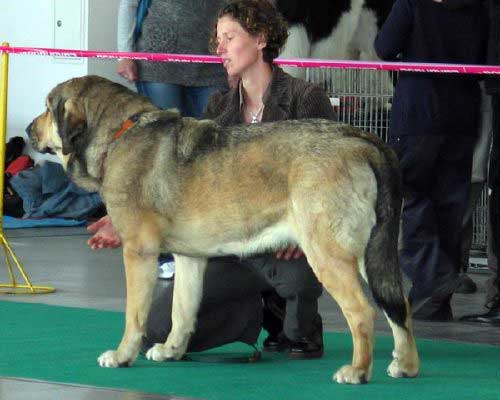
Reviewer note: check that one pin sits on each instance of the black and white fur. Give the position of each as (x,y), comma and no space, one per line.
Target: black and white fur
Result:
(332,29)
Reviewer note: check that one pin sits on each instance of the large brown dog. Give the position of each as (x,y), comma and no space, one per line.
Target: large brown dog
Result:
(199,190)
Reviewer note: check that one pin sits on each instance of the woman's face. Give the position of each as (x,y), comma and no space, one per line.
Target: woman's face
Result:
(238,49)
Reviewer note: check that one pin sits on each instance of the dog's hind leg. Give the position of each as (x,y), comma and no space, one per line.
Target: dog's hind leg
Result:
(405,361)
(382,271)
(381,266)
(396,309)
(337,270)
(188,289)
(140,254)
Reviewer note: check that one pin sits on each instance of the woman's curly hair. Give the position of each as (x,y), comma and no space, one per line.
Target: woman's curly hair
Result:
(255,17)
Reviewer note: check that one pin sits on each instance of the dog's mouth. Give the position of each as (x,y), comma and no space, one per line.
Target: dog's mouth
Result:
(41,149)
(47,150)
(34,142)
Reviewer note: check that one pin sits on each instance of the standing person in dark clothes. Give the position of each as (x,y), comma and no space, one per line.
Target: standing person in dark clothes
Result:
(433,129)
(492,84)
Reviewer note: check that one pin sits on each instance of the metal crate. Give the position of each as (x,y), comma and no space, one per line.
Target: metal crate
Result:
(363,98)
(480,223)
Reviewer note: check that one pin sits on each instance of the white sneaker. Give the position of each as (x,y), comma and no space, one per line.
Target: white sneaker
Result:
(166,270)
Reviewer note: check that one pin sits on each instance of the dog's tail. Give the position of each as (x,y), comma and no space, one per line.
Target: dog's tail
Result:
(381,254)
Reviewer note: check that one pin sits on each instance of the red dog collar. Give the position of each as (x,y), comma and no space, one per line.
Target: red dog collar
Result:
(126,126)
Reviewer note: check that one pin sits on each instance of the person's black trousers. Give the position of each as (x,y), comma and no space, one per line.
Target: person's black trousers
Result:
(231,307)
(436,182)
(494,185)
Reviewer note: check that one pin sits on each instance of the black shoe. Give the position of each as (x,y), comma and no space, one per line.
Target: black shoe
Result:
(434,311)
(466,285)
(308,347)
(491,317)
(273,314)
(304,349)
(275,344)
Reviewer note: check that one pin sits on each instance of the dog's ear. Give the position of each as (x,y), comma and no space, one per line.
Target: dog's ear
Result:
(196,137)
(71,122)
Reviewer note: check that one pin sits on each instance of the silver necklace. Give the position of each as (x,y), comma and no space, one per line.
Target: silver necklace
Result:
(255,116)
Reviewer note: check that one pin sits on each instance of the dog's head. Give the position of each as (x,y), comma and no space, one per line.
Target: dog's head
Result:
(79,122)
(64,120)
(79,107)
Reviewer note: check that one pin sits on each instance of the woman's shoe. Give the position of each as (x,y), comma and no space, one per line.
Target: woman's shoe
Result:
(308,347)
(275,344)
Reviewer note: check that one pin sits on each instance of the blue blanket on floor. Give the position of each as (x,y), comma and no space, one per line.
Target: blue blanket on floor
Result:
(47,192)
(16,223)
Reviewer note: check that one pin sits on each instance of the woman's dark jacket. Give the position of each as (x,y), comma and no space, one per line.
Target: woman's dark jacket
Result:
(286,98)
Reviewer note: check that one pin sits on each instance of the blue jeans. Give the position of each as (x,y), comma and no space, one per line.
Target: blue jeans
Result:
(189,100)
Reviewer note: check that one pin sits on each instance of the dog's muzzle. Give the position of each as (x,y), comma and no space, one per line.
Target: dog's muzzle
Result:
(34,141)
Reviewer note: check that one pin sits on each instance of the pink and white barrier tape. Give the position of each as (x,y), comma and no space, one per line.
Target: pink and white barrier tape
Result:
(291,62)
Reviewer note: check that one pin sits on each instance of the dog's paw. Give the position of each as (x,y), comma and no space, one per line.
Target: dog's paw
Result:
(157,353)
(349,374)
(110,359)
(162,352)
(396,370)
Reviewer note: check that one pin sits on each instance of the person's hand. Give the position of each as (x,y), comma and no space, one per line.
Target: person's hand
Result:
(127,69)
(292,251)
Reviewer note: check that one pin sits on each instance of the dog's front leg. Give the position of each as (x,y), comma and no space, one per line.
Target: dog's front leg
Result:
(188,289)
(141,270)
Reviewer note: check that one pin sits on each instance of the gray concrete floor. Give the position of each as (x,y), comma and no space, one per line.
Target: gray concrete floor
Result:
(59,257)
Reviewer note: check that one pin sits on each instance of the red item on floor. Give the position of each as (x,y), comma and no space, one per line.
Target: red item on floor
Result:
(19,164)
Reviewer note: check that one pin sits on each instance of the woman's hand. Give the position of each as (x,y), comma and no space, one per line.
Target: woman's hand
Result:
(292,251)
(127,69)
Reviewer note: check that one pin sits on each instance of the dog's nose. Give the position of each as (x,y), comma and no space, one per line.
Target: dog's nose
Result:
(28,129)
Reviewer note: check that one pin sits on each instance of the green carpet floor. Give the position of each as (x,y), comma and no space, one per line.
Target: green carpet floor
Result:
(61,344)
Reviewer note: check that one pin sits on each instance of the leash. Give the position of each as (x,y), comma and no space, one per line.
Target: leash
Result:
(208,358)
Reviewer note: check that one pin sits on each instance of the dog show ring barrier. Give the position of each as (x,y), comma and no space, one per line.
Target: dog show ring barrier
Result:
(13,287)
(360,91)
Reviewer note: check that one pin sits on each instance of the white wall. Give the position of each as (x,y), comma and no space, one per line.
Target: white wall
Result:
(32,23)
(102,36)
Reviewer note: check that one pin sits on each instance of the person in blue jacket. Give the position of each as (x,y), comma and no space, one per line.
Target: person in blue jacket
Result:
(433,129)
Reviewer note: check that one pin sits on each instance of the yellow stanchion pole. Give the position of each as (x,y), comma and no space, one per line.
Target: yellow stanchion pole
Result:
(13,287)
